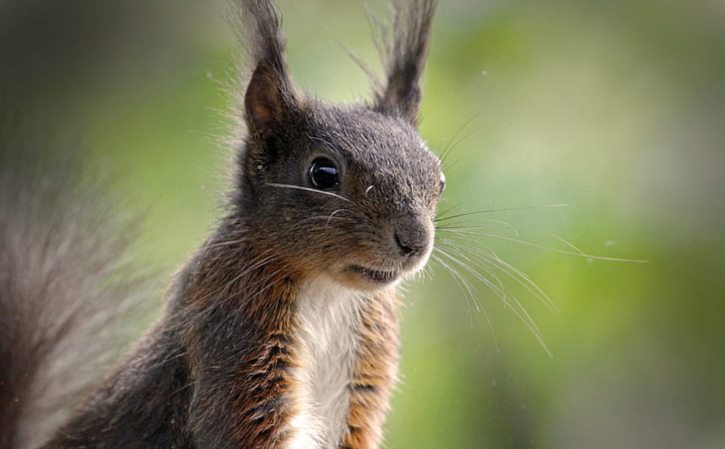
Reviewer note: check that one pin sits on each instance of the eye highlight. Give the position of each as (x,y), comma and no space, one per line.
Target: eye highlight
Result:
(442,183)
(323,174)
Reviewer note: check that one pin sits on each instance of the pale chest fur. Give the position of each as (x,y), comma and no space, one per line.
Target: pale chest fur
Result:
(329,320)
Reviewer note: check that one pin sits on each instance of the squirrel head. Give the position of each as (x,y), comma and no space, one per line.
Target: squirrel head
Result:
(344,191)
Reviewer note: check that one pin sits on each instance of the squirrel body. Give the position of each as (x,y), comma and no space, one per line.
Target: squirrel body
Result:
(314,372)
(282,331)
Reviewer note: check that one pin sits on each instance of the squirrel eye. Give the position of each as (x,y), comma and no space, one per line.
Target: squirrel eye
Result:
(323,174)
(443,182)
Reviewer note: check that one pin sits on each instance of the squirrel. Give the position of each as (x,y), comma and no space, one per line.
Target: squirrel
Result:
(281,332)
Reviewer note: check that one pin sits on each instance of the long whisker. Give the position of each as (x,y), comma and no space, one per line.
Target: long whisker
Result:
(454,272)
(448,209)
(495,225)
(505,209)
(524,280)
(576,253)
(307,189)
(467,292)
(464,286)
(565,242)
(492,259)
(519,310)
(499,288)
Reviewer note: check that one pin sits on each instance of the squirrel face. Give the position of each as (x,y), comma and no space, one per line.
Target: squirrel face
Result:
(345,191)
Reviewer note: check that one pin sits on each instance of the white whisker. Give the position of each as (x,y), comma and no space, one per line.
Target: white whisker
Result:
(307,189)
(504,294)
(576,253)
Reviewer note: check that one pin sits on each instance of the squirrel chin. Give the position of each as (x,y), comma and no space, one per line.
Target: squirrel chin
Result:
(365,279)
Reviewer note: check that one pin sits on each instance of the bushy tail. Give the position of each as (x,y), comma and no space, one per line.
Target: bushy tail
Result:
(62,284)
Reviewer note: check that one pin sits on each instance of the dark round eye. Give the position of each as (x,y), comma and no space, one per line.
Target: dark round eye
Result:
(323,174)
(443,182)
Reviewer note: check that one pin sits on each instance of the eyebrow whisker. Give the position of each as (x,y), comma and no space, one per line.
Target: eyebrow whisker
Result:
(307,189)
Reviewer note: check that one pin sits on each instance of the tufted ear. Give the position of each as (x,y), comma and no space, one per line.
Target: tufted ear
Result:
(404,55)
(266,99)
(269,93)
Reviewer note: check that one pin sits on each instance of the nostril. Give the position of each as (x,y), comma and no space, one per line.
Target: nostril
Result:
(407,247)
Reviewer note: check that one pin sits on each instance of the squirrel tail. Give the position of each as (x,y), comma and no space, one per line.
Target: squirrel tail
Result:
(63,285)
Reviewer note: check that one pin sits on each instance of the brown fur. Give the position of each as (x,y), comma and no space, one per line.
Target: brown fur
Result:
(374,375)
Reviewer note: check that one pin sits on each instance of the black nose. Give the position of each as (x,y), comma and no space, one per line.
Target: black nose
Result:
(411,242)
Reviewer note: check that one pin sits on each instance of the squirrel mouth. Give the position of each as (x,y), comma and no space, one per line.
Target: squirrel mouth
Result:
(376,276)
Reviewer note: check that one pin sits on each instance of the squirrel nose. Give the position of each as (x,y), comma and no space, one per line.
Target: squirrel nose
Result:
(411,241)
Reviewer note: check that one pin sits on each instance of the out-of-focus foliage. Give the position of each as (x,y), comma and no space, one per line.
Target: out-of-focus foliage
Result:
(615,108)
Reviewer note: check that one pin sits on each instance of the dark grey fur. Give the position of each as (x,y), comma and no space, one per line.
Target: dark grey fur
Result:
(404,56)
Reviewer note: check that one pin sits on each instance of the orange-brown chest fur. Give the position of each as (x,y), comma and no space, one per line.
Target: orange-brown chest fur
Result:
(297,364)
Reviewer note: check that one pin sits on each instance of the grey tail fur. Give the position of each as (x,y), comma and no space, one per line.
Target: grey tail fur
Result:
(62,285)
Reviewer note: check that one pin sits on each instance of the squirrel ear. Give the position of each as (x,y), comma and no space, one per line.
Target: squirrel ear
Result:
(265,100)
(270,91)
(404,57)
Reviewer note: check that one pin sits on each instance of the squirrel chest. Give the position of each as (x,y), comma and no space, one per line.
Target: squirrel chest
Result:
(328,331)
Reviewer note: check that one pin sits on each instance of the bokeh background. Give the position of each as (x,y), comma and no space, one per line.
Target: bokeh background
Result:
(615,109)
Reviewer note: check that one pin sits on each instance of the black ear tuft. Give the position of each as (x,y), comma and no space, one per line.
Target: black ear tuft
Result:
(404,52)
(270,92)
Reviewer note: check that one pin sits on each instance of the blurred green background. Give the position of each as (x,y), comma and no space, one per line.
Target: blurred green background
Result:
(615,108)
